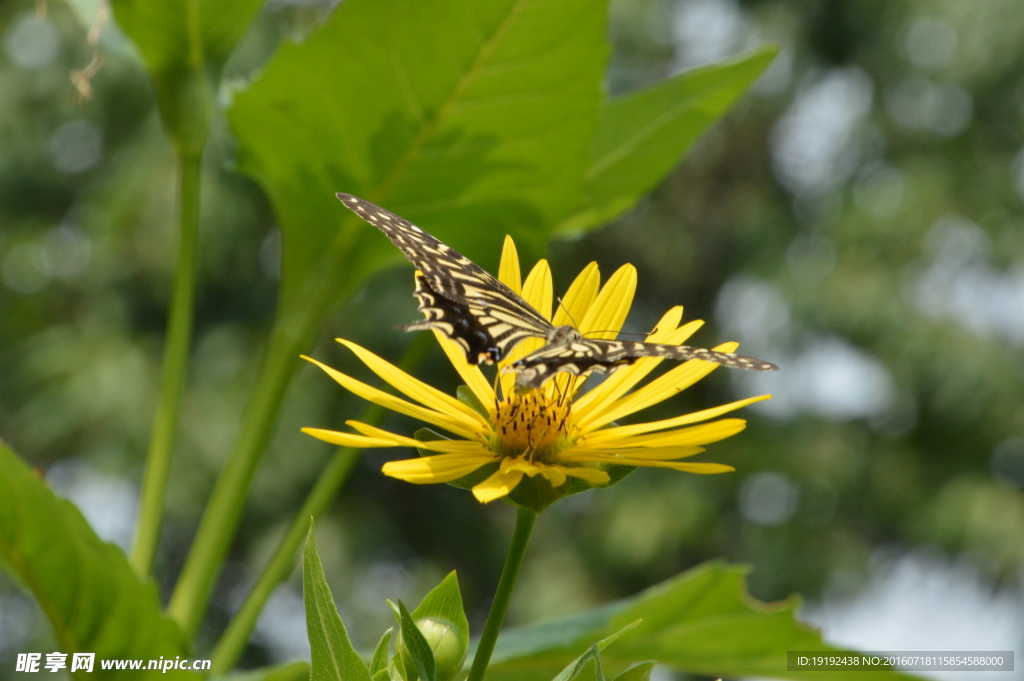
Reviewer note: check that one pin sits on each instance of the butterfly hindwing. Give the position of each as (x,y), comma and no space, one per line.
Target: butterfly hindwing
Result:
(585,355)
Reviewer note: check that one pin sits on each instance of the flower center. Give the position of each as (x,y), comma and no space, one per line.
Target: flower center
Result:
(532,425)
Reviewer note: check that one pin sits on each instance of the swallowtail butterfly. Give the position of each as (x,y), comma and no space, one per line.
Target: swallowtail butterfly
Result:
(487,318)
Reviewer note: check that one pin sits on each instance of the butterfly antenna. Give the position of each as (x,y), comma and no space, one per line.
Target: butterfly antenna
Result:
(627,333)
(497,388)
(558,297)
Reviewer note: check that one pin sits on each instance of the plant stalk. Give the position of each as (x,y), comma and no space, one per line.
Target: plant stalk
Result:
(175,369)
(227,501)
(499,606)
(232,643)
(294,327)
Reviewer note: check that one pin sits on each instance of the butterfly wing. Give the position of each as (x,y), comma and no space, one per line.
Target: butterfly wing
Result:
(457,296)
(585,355)
(577,357)
(472,327)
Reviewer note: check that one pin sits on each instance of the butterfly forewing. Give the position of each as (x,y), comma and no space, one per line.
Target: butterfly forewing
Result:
(458,297)
(475,329)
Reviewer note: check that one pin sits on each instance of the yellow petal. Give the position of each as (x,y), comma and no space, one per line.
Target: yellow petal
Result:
(685,466)
(470,373)
(519,464)
(659,389)
(553,474)
(538,289)
(451,422)
(579,297)
(654,453)
(591,475)
(618,432)
(427,395)
(430,469)
(447,446)
(347,439)
(508,270)
(608,312)
(497,486)
(572,310)
(694,436)
(701,468)
(538,292)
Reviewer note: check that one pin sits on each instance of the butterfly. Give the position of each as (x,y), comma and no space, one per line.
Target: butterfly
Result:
(487,318)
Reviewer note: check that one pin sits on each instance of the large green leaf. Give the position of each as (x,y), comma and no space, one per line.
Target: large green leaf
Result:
(185,44)
(332,656)
(702,621)
(472,118)
(640,137)
(93,599)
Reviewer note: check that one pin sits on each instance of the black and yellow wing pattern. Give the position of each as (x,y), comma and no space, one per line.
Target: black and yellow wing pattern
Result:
(578,356)
(487,318)
(457,296)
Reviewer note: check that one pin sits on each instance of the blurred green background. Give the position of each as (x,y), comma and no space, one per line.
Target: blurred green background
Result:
(856,219)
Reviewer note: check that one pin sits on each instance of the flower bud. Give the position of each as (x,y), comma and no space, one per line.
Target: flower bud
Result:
(443,639)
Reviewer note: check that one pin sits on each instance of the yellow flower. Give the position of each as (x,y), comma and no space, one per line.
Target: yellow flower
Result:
(538,446)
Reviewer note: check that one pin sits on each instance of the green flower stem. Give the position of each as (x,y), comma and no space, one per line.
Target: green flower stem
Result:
(227,501)
(499,606)
(294,327)
(175,369)
(232,643)
(236,636)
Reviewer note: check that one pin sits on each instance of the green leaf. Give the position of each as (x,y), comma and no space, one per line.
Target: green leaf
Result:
(333,657)
(92,598)
(419,649)
(379,661)
(185,44)
(586,667)
(473,119)
(638,672)
(394,671)
(700,622)
(575,668)
(292,671)
(643,135)
(444,604)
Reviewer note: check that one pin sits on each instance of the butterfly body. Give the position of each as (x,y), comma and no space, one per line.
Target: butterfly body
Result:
(487,318)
